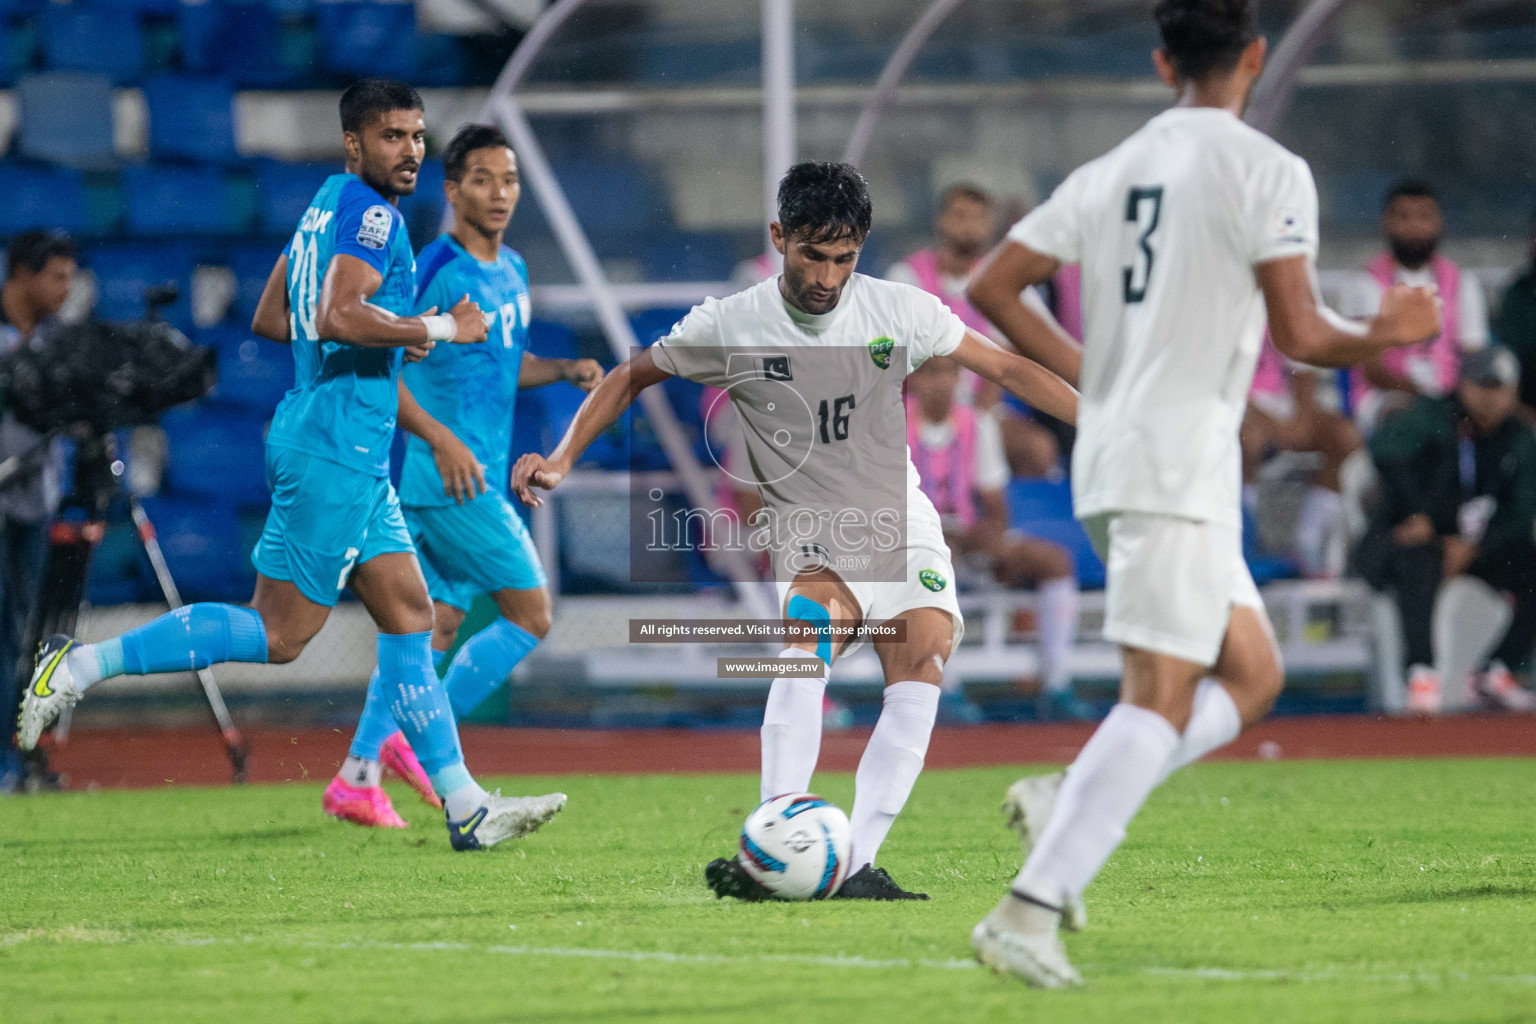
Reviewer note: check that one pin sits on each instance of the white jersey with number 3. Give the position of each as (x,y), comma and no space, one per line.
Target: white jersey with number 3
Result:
(1168,227)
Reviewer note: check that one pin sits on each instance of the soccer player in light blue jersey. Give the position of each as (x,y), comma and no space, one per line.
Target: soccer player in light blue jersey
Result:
(458,406)
(343,293)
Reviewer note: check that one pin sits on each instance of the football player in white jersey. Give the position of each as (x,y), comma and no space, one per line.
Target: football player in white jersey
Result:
(1187,233)
(813,360)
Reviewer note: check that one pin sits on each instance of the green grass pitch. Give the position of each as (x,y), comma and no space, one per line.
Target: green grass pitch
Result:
(1307,892)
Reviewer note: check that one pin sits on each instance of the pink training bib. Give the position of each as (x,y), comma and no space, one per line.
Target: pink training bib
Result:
(1437,361)
(946,474)
(925,265)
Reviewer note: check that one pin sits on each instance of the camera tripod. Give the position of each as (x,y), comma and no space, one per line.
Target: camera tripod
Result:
(76,530)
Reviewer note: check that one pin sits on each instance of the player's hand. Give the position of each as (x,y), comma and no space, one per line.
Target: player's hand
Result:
(1414,531)
(416,353)
(534,470)
(585,373)
(463,476)
(470,321)
(1408,316)
(1456,556)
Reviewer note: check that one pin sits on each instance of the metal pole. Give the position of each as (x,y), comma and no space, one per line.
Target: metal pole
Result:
(1272,93)
(778,100)
(621,339)
(891,75)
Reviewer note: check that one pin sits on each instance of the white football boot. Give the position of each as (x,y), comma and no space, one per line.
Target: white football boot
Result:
(503,817)
(1021,939)
(51,690)
(1028,807)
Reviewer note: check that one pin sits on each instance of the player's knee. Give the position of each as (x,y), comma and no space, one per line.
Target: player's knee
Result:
(283,646)
(1057,563)
(535,620)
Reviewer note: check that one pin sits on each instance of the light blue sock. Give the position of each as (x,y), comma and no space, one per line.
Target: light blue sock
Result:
(376,724)
(438,657)
(420,707)
(193,636)
(483,662)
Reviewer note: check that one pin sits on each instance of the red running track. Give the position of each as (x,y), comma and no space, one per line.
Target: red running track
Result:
(154,757)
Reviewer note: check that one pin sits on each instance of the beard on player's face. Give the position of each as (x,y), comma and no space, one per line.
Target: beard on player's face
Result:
(815,273)
(1413,252)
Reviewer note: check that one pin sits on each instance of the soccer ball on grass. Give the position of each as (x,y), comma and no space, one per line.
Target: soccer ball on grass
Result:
(796,846)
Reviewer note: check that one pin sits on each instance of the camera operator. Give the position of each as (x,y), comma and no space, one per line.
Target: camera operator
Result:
(40,272)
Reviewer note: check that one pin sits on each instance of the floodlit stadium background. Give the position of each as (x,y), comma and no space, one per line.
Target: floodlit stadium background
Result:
(183,141)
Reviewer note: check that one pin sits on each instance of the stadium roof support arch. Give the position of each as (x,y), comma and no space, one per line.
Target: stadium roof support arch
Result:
(1270,98)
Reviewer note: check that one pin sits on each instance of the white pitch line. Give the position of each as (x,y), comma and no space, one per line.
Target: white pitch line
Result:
(1318,975)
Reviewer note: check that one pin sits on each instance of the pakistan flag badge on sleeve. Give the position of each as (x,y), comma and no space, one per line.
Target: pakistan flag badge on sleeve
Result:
(880,351)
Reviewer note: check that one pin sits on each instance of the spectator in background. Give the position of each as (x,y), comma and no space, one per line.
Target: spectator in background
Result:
(1515,329)
(1412,225)
(965,228)
(958,453)
(1458,495)
(1284,415)
(40,270)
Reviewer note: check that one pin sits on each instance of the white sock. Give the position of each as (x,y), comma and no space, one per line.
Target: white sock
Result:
(1213,723)
(463,801)
(892,761)
(1105,787)
(84,668)
(791,732)
(360,771)
(1056,622)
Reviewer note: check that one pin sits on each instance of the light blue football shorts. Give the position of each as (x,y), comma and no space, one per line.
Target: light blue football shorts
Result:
(475,548)
(325,520)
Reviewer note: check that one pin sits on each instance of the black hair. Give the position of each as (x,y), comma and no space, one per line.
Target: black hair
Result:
(964,190)
(465,141)
(1409,188)
(1204,37)
(824,202)
(368,98)
(33,250)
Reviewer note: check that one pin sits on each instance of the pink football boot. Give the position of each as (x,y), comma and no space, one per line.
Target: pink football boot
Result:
(366,806)
(396,755)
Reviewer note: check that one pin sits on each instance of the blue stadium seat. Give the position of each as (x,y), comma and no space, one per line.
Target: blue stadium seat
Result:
(611,197)
(240,40)
(137,6)
(38,197)
(284,192)
(251,265)
(688,256)
(366,37)
(551,340)
(66,118)
(170,200)
(1043,509)
(123,272)
(423,209)
(215,453)
(254,374)
(191,118)
(80,37)
(203,548)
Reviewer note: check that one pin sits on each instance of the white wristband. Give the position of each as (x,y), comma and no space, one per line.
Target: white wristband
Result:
(441,327)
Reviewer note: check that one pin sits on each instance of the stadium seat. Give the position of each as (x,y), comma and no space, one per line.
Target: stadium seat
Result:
(123,272)
(285,190)
(203,548)
(366,37)
(66,118)
(254,374)
(216,453)
(251,265)
(613,198)
(191,118)
(37,197)
(423,210)
(169,200)
(1043,509)
(243,41)
(688,256)
(104,40)
(551,340)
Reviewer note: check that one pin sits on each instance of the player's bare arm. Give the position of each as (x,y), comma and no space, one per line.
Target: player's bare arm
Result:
(463,475)
(536,372)
(995,289)
(600,411)
(1026,380)
(271,320)
(1307,331)
(345,314)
